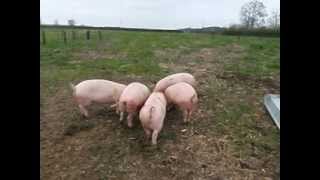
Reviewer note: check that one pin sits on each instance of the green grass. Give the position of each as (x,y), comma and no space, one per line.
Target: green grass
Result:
(261,55)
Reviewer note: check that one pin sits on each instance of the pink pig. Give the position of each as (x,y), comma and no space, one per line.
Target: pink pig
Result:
(132,99)
(184,96)
(98,91)
(152,115)
(173,79)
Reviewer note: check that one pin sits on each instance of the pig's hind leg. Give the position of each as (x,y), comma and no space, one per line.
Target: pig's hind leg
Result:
(154,137)
(148,133)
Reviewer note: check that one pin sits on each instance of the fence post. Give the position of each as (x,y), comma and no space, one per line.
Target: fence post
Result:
(43,37)
(73,35)
(88,35)
(64,37)
(100,36)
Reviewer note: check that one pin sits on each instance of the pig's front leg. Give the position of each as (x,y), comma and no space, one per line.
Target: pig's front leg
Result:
(185,116)
(121,116)
(189,115)
(83,111)
(130,119)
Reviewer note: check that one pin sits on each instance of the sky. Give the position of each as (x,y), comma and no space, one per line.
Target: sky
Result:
(152,14)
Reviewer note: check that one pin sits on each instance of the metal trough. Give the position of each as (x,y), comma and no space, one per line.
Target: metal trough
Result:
(272,103)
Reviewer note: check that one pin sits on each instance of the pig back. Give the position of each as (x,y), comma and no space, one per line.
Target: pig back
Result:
(180,93)
(173,79)
(98,90)
(135,92)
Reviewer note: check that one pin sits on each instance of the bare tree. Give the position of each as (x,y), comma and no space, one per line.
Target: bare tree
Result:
(274,20)
(56,22)
(71,22)
(252,14)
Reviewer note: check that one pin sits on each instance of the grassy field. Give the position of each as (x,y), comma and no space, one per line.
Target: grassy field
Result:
(231,136)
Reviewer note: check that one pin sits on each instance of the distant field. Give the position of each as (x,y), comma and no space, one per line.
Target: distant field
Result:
(231,136)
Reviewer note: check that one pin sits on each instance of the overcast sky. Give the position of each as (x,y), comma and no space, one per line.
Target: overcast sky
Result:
(162,14)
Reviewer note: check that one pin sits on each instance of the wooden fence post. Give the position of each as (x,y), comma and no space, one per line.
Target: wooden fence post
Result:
(64,37)
(73,35)
(43,37)
(88,35)
(100,35)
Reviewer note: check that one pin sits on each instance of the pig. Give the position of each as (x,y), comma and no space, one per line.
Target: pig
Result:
(173,79)
(132,99)
(98,91)
(152,115)
(184,96)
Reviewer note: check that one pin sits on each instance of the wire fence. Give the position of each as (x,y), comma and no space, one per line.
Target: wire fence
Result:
(69,36)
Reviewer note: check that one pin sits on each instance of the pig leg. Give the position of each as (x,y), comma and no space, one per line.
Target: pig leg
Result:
(189,112)
(82,103)
(117,110)
(130,118)
(185,116)
(148,133)
(83,110)
(154,137)
(121,116)
(115,106)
